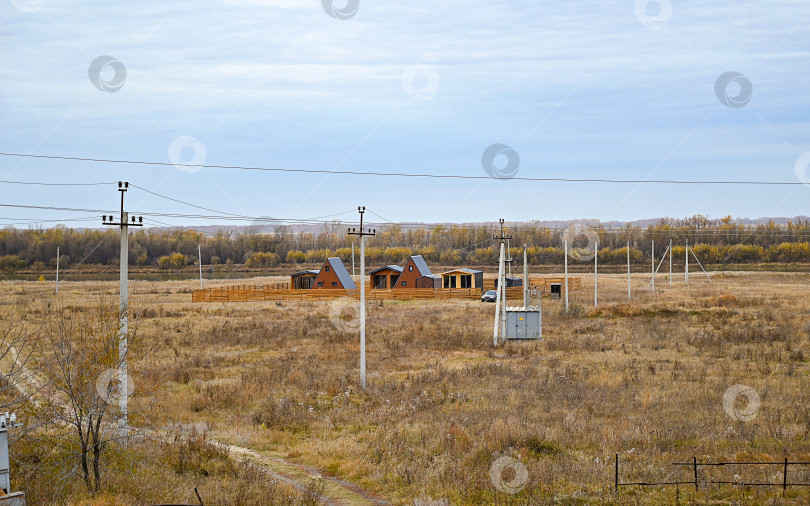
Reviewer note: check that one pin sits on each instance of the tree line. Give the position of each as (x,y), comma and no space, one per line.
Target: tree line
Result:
(714,241)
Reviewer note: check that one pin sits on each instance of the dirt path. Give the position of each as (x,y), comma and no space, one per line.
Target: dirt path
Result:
(336,491)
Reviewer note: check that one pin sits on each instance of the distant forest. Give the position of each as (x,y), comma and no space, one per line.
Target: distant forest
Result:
(714,241)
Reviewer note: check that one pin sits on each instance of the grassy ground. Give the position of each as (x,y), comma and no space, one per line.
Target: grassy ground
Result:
(644,379)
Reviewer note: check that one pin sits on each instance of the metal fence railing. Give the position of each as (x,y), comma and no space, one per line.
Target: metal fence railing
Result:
(697,478)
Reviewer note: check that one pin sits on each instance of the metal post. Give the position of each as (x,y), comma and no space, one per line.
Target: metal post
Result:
(199,257)
(595,275)
(353,273)
(565,254)
(670,263)
(694,463)
(628,270)
(525,278)
(498,297)
(652,255)
(686,270)
(57,269)
(784,478)
(616,475)
(122,333)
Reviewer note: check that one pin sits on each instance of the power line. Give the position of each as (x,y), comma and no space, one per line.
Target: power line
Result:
(34,183)
(180,201)
(417,175)
(225,212)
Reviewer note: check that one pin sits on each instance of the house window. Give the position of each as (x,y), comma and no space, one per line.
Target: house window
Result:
(334,283)
(320,283)
(326,268)
(404,283)
(449,281)
(466,281)
(410,268)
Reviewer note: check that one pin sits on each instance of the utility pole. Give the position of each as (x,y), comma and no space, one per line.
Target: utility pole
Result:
(57,269)
(686,270)
(353,261)
(199,257)
(628,270)
(123,308)
(565,255)
(670,263)
(525,278)
(509,255)
(500,298)
(652,256)
(595,275)
(362,233)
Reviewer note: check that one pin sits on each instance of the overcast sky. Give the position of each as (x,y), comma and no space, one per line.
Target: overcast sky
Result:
(589,89)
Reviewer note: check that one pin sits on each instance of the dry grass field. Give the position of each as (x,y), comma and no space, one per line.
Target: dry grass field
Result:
(643,379)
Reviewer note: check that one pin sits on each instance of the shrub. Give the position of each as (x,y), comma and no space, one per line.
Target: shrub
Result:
(173,261)
(11,262)
(296,257)
(263,260)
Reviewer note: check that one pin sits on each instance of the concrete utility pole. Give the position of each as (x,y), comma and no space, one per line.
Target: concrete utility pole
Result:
(670,263)
(362,233)
(353,274)
(495,331)
(628,270)
(57,269)
(565,248)
(525,277)
(123,308)
(652,256)
(595,275)
(500,298)
(686,269)
(199,258)
(509,256)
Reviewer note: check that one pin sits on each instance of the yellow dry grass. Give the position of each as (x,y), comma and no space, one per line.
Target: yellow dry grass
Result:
(644,379)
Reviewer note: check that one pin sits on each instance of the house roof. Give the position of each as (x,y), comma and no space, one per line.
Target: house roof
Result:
(421,265)
(464,270)
(432,276)
(308,271)
(394,268)
(341,273)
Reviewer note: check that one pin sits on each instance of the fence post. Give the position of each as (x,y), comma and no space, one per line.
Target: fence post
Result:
(616,477)
(694,463)
(784,478)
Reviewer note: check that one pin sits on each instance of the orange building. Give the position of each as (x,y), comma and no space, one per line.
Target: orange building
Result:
(334,275)
(414,269)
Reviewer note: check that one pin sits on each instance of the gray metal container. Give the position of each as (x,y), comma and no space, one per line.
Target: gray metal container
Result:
(524,322)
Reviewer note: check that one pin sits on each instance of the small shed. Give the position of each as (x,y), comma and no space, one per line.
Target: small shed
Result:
(431,281)
(414,268)
(524,322)
(303,280)
(334,275)
(385,277)
(511,281)
(463,278)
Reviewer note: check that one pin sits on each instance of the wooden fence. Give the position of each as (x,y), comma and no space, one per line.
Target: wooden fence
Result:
(252,293)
